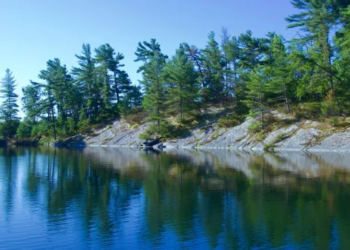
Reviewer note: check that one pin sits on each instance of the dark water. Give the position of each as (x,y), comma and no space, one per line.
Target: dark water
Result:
(108,198)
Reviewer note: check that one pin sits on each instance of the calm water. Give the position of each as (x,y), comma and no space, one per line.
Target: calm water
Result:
(108,198)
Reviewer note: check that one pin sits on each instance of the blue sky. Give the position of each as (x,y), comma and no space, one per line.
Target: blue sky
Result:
(32,32)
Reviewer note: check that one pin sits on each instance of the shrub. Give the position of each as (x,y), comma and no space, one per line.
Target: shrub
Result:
(165,130)
(42,128)
(84,126)
(136,116)
(254,127)
(24,130)
(9,129)
(229,121)
(269,146)
(145,136)
(330,108)
(307,110)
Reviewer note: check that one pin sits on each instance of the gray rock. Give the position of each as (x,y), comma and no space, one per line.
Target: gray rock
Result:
(300,136)
(336,142)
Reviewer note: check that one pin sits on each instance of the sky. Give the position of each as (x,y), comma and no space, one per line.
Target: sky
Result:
(35,31)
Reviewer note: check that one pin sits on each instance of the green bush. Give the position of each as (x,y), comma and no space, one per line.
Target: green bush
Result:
(330,108)
(41,128)
(9,129)
(307,110)
(229,121)
(145,136)
(24,130)
(254,127)
(135,116)
(269,146)
(166,130)
(84,126)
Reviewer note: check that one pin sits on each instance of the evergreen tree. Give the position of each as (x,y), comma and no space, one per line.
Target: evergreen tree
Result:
(87,84)
(105,61)
(9,107)
(196,56)
(153,81)
(54,91)
(121,81)
(316,21)
(213,70)
(182,89)
(30,101)
(281,78)
(252,50)
(232,54)
(134,96)
(257,90)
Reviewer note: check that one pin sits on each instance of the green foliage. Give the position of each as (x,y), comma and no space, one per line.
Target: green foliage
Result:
(307,76)
(9,107)
(229,121)
(255,127)
(135,116)
(153,80)
(41,128)
(307,110)
(9,128)
(145,136)
(165,131)
(94,92)
(212,63)
(182,88)
(271,146)
(24,130)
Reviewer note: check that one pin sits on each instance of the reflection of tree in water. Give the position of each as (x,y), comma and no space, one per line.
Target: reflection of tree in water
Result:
(237,200)
(8,161)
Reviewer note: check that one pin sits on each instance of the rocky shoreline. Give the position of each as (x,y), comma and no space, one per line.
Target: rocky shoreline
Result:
(299,136)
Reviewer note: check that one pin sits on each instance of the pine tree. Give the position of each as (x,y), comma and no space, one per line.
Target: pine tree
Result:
(256,94)
(54,91)
(121,80)
(152,71)
(9,107)
(182,88)
(213,70)
(87,84)
(105,61)
(30,100)
(277,67)
(316,21)
(134,96)
(196,57)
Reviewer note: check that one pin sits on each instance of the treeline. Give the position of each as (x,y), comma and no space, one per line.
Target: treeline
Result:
(308,75)
(66,102)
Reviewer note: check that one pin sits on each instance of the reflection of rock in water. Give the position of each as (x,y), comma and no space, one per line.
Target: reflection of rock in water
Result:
(307,165)
(117,158)
(310,165)
(252,164)
(238,160)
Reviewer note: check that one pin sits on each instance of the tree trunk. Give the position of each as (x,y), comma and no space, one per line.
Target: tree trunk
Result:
(116,86)
(287,100)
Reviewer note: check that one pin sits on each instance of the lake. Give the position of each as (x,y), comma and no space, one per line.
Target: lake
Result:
(114,198)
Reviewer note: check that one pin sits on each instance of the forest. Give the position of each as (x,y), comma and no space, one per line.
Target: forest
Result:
(306,77)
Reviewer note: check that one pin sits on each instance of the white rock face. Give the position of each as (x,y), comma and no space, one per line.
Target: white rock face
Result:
(119,134)
(301,136)
(336,142)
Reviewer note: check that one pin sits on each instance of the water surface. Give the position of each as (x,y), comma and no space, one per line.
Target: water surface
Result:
(111,198)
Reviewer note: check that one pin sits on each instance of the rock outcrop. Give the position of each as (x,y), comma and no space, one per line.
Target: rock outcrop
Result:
(299,136)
